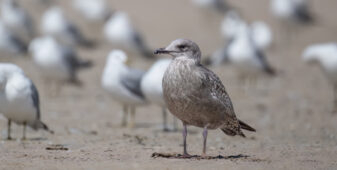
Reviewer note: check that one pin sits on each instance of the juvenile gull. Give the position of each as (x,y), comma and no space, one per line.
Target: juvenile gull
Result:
(17,19)
(56,62)
(9,42)
(19,99)
(326,55)
(119,31)
(123,83)
(195,95)
(55,23)
(152,88)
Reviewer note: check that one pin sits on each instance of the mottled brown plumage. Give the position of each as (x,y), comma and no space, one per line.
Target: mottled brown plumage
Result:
(195,95)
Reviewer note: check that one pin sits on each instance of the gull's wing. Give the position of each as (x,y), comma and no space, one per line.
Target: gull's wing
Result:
(217,90)
(131,81)
(35,98)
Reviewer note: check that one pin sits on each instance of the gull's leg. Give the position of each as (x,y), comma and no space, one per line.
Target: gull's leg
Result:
(175,124)
(185,154)
(204,134)
(165,128)
(132,116)
(24,131)
(9,129)
(335,99)
(125,115)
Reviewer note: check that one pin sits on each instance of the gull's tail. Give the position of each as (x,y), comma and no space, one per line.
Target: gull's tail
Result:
(245,126)
(40,125)
(237,131)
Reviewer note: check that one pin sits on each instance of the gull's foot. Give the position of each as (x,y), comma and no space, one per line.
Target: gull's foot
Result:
(123,124)
(186,156)
(166,129)
(9,138)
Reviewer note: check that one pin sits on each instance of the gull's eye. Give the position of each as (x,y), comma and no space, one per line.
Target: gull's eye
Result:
(182,47)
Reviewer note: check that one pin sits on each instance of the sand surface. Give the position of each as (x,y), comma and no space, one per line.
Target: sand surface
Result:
(291,112)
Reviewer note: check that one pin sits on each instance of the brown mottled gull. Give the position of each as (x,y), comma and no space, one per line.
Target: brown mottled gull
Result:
(195,94)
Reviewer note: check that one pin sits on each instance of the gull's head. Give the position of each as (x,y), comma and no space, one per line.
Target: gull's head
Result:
(117,57)
(230,24)
(181,48)
(6,71)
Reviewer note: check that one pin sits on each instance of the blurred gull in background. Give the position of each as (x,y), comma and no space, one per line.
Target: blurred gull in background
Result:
(152,88)
(244,46)
(261,33)
(54,23)
(217,5)
(123,83)
(19,99)
(17,19)
(292,10)
(93,10)
(9,42)
(119,31)
(326,56)
(246,55)
(57,62)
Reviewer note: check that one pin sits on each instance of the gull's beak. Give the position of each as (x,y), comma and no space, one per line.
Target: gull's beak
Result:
(161,51)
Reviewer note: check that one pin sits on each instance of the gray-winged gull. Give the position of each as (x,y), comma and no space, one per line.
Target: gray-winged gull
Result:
(19,99)
(123,83)
(56,61)
(55,23)
(326,55)
(153,89)
(119,31)
(17,19)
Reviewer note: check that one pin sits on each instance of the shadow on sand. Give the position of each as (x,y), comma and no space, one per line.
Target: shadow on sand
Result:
(198,157)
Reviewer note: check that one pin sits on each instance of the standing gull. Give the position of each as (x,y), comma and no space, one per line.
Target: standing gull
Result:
(54,23)
(93,10)
(123,83)
(244,48)
(257,35)
(120,32)
(152,88)
(196,95)
(292,10)
(56,62)
(17,19)
(19,99)
(9,42)
(326,56)
(220,6)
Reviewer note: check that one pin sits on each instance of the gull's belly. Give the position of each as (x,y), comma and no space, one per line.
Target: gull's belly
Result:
(187,99)
(18,110)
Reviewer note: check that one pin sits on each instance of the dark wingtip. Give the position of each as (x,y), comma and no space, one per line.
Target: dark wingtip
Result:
(86,64)
(245,126)
(270,71)
(45,127)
